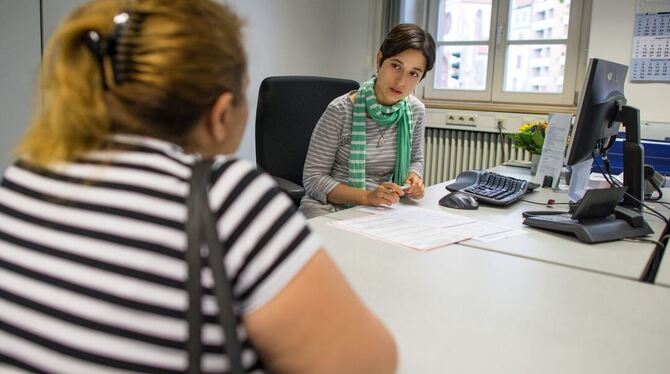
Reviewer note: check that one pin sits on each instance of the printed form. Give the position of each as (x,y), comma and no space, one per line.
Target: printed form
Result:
(421,229)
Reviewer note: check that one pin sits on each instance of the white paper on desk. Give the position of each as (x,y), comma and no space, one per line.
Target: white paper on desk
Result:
(481,228)
(401,232)
(420,216)
(553,150)
(486,231)
(499,235)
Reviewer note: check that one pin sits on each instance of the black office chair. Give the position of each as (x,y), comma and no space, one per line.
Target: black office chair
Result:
(288,109)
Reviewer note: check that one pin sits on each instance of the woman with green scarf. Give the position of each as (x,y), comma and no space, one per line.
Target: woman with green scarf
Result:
(367,148)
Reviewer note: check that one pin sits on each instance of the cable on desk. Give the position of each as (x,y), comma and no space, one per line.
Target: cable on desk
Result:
(539,203)
(616,184)
(612,182)
(643,240)
(651,211)
(666,205)
(607,169)
(502,140)
(651,270)
(656,214)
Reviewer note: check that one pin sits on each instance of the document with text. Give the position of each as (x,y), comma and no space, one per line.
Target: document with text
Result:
(419,216)
(396,231)
(421,228)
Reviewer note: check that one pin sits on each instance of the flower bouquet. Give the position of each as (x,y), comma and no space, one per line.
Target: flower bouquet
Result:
(531,136)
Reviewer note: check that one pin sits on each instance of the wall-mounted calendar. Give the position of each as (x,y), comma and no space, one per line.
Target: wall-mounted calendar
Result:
(651,42)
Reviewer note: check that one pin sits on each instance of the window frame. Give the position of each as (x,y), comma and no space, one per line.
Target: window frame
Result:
(498,44)
(454,94)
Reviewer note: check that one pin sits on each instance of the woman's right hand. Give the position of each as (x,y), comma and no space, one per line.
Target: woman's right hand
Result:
(386,193)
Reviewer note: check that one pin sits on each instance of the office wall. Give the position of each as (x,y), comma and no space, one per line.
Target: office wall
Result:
(53,13)
(287,37)
(611,38)
(303,37)
(19,58)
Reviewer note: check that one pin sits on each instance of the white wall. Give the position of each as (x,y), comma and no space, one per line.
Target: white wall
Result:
(19,59)
(354,40)
(53,12)
(303,37)
(611,38)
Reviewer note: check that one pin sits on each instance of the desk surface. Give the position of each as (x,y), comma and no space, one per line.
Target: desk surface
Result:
(464,310)
(619,258)
(663,276)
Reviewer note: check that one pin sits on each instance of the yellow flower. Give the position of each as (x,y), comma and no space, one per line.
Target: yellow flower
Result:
(525,127)
(531,136)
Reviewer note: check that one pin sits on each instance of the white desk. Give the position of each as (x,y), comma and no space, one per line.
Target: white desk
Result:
(463,310)
(619,258)
(663,276)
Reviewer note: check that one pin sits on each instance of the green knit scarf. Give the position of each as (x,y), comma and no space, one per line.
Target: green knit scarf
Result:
(399,113)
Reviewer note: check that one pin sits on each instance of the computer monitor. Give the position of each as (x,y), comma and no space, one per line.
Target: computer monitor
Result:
(598,120)
(601,111)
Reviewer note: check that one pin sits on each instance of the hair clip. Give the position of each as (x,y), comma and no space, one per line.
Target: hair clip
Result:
(98,46)
(119,52)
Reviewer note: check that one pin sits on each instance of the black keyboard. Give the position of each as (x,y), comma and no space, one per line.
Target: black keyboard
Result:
(489,187)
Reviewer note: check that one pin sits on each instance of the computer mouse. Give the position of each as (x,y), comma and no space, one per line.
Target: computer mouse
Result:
(459,200)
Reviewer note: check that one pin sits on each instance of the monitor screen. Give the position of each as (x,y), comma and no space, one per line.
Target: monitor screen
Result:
(597,121)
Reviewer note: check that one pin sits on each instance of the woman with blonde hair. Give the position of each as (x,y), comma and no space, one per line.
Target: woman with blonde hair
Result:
(92,216)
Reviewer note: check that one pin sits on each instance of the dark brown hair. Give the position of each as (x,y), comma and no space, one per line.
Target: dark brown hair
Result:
(406,36)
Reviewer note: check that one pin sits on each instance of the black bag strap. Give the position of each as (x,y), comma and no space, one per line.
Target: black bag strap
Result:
(193,286)
(201,228)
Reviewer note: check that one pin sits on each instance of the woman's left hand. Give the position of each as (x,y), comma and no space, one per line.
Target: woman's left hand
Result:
(416,187)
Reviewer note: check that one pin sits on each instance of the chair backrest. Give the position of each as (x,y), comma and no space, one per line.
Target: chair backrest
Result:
(288,109)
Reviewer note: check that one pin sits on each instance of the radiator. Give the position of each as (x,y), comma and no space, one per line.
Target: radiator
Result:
(449,152)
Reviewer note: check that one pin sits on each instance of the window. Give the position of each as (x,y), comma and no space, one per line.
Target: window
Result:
(513,51)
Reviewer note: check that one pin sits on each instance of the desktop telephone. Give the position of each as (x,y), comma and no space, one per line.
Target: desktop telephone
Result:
(597,218)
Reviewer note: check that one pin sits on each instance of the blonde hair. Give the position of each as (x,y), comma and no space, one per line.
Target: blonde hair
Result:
(177,59)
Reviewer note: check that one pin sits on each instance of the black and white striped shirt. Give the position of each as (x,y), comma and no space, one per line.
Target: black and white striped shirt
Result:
(92,269)
(327,161)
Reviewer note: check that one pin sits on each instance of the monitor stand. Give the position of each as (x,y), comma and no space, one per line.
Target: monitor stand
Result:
(633,158)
